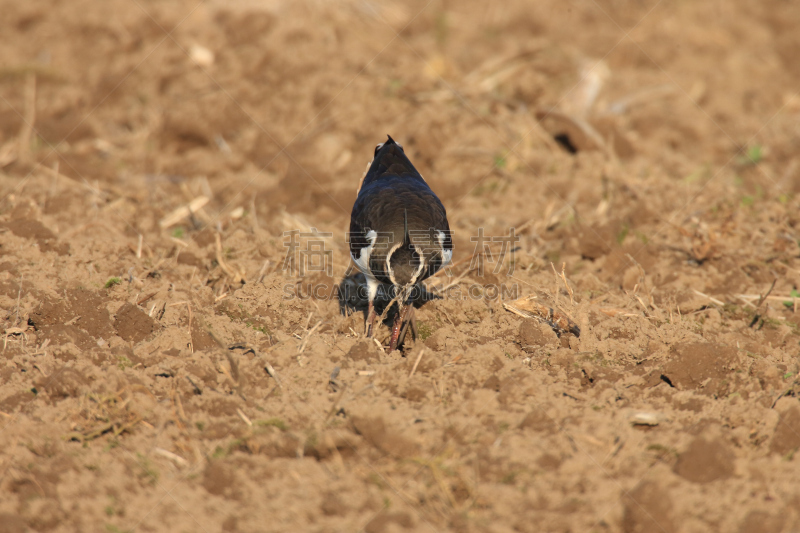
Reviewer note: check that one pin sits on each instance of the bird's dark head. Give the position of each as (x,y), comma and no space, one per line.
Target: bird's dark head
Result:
(389,160)
(389,144)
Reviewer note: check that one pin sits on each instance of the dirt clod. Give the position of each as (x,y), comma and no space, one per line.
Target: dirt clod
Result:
(648,507)
(133,324)
(534,334)
(363,351)
(705,460)
(787,433)
(762,522)
(703,366)
(386,439)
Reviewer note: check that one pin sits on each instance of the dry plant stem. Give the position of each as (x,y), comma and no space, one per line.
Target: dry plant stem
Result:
(183,211)
(177,459)
(776,298)
(641,96)
(191,343)
(261,272)
(221,368)
(272,373)
(555,291)
(222,264)
(181,412)
(13,331)
(712,300)
(234,364)
(179,243)
(377,342)
(527,308)
(253,213)
(642,275)
(244,417)
(236,277)
(644,307)
(389,306)
(566,284)
(419,358)
(308,336)
(761,300)
(452,283)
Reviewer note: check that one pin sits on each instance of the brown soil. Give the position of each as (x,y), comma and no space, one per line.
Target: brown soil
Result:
(671,200)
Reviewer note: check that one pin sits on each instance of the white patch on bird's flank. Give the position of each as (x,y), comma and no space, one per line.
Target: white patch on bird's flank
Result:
(372,287)
(447,255)
(362,261)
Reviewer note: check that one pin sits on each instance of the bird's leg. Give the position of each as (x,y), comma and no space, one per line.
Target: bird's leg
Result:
(408,319)
(398,321)
(402,318)
(371,316)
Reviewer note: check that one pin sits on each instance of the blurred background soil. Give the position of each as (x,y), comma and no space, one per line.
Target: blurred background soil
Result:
(154,153)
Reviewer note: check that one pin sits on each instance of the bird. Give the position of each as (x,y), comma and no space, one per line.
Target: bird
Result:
(399,234)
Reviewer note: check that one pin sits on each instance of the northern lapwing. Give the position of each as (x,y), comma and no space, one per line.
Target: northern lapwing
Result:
(399,234)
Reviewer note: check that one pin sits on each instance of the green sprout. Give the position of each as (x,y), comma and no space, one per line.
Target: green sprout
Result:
(753,156)
(793,294)
(274,422)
